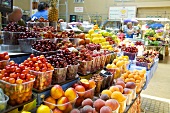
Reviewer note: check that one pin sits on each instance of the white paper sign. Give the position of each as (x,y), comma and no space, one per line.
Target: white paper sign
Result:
(122,12)
(78,9)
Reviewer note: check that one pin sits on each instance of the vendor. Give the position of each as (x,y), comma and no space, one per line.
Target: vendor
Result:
(130,30)
(121,35)
(42,11)
(16,16)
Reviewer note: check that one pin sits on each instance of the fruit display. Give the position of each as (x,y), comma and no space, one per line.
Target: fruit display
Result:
(14,27)
(4,59)
(144,62)
(93,47)
(115,69)
(151,54)
(29,34)
(41,22)
(136,76)
(61,101)
(41,69)
(44,29)
(43,109)
(63,44)
(17,83)
(138,43)
(85,89)
(53,12)
(49,35)
(130,52)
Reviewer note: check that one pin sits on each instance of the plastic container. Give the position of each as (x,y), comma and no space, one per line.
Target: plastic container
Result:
(85,67)
(130,55)
(10,48)
(107,80)
(133,93)
(11,38)
(144,64)
(18,93)
(38,53)
(117,110)
(108,57)
(59,75)
(63,105)
(94,63)
(3,104)
(4,63)
(129,98)
(74,41)
(50,39)
(42,79)
(72,71)
(102,61)
(138,87)
(98,62)
(87,94)
(122,106)
(98,86)
(40,24)
(26,44)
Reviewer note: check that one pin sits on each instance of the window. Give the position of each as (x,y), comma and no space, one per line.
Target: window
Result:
(78,1)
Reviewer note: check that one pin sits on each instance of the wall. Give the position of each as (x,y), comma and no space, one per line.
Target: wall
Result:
(24,4)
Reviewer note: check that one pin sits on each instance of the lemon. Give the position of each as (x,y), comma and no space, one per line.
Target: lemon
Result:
(43,109)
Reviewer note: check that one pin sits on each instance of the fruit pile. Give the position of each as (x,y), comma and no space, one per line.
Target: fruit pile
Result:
(29,34)
(138,43)
(151,53)
(41,69)
(130,52)
(14,27)
(63,44)
(44,29)
(60,101)
(16,74)
(144,62)
(4,59)
(136,76)
(49,35)
(93,47)
(85,89)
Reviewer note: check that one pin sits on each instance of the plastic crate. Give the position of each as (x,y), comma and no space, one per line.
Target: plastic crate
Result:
(40,24)
(85,67)
(18,93)
(3,63)
(130,55)
(38,53)
(72,71)
(59,75)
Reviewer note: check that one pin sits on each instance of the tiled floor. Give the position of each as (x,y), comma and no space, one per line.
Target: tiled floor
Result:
(154,106)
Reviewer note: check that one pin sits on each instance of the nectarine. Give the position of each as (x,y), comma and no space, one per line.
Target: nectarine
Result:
(87,109)
(87,101)
(71,94)
(130,85)
(85,83)
(79,101)
(81,89)
(98,104)
(68,109)
(75,111)
(56,91)
(120,88)
(104,97)
(120,83)
(105,109)
(56,110)
(50,102)
(112,103)
(62,103)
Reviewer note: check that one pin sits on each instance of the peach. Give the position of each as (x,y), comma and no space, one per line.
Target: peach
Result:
(87,109)
(98,104)
(61,101)
(56,110)
(120,88)
(119,79)
(108,92)
(50,100)
(71,94)
(56,91)
(85,83)
(127,91)
(113,88)
(79,101)
(112,103)
(105,109)
(87,101)
(104,97)
(130,85)
(120,83)
(89,94)
(81,89)
(75,111)
(68,109)
(74,85)
(92,84)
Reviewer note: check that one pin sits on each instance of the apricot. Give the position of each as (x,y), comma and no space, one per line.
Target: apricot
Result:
(112,103)
(56,91)
(113,88)
(50,100)
(87,101)
(104,97)
(87,109)
(71,94)
(105,109)
(108,92)
(56,110)
(98,104)
(120,88)
(120,83)
(62,103)
(75,111)
(118,96)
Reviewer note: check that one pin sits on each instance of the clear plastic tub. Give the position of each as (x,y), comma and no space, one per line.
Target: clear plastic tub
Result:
(51,39)
(10,48)
(94,63)
(117,110)
(40,24)
(85,67)
(38,53)
(4,63)
(130,55)
(72,71)
(3,104)
(108,58)
(98,86)
(42,79)
(59,75)
(17,93)
(98,62)
(74,41)
(59,106)
(122,106)
(26,44)
(138,87)
(102,61)
(129,98)
(144,64)
(87,94)
(11,38)
(134,93)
